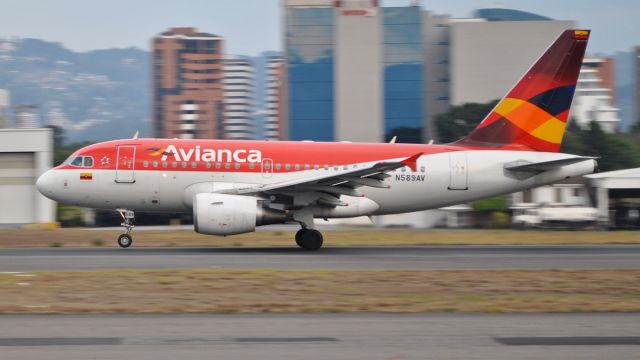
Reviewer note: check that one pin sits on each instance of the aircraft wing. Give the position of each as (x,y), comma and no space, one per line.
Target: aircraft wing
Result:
(336,183)
(546,165)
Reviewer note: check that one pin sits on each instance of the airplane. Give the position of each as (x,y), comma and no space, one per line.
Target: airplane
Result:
(232,186)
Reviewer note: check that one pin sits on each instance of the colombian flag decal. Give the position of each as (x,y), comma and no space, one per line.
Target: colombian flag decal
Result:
(581,34)
(86,176)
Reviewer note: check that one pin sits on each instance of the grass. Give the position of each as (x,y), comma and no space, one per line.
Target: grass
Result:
(238,291)
(74,237)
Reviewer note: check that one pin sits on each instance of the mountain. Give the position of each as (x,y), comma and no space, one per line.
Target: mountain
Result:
(96,95)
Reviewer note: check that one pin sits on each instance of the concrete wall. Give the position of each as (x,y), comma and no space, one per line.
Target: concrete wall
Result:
(358,114)
(488,58)
(31,205)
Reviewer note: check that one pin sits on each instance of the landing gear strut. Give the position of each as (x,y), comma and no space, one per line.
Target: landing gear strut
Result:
(125,240)
(309,239)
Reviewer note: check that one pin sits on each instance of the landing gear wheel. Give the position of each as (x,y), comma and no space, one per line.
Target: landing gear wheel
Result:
(125,240)
(309,239)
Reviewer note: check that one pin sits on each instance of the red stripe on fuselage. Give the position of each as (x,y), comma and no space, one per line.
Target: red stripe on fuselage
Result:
(280,152)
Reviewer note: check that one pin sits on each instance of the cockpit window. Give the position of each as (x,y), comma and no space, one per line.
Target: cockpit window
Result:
(77,161)
(80,161)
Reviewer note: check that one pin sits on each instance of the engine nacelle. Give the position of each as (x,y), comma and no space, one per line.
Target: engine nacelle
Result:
(223,214)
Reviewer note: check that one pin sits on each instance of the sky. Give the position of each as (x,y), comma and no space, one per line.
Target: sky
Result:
(253,26)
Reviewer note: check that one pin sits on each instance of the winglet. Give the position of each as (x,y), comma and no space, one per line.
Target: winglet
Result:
(411,161)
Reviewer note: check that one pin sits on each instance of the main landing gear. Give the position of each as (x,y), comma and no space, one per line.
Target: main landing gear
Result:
(309,239)
(128,216)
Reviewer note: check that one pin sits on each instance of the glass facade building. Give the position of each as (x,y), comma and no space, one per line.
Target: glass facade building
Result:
(309,39)
(403,73)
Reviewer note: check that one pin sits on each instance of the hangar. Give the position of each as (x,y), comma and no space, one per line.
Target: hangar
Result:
(24,155)
(616,194)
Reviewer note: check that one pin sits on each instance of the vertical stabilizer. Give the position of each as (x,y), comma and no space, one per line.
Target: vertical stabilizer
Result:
(534,114)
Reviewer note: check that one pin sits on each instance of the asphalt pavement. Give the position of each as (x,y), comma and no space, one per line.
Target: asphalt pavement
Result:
(405,257)
(321,336)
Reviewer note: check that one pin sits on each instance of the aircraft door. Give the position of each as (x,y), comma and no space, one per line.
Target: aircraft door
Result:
(125,165)
(267,168)
(458,175)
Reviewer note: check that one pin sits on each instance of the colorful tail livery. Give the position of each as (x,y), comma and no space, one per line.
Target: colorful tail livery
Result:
(533,115)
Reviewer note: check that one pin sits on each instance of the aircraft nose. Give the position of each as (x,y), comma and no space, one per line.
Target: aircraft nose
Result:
(44,184)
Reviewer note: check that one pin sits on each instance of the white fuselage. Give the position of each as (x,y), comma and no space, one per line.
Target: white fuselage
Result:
(441,179)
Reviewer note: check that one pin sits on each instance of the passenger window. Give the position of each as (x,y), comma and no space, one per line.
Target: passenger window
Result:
(307,167)
(252,166)
(174,164)
(335,167)
(184,164)
(421,168)
(218,165)
(155,164)
(316,166)
(346,167)
(267,166)
(208,165)
(287,167)
(165,164)
(227,166)
(404,169)
(145,163)
(194,164)
(88,161)
(237,165)
(297,167)
(278,166)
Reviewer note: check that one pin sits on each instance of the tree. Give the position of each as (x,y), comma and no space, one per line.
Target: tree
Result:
(460,120)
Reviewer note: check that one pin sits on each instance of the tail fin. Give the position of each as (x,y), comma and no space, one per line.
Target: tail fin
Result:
(533,115)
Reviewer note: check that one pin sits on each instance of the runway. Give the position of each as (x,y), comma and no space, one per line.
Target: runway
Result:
(321,336)
(406,257)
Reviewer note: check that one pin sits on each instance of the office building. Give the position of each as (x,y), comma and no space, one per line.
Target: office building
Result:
(594,98)
(27,116)
(274,99)
(4,105)
(188,91)
(354,71)
(636,87)
(238,99)
(25,154)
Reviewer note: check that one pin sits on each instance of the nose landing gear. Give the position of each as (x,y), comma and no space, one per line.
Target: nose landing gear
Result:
(128,216)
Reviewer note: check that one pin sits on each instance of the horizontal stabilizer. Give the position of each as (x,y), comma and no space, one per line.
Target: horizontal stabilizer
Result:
(545,165)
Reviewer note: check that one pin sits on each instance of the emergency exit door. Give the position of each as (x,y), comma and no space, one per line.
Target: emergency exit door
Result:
(458,172)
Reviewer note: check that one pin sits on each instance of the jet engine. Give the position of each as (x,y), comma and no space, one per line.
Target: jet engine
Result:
(223,214)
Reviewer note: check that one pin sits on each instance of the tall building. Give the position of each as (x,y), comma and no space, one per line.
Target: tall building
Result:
(354,71)
(594,97)
(275,107)
(188,93)
(238,99)
(4,105)
(636,87)
(27,116)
